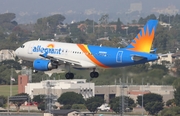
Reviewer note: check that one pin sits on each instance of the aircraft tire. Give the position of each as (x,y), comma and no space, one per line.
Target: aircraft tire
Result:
(69,76)
(94,74)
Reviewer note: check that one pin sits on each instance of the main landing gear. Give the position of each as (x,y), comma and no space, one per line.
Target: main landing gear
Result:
(93,74)
(69,75)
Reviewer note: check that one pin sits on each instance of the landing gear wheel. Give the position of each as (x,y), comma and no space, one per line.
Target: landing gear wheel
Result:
(94,74)
(69,75)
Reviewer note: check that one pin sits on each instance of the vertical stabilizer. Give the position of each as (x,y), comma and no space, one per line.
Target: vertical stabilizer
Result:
(143,41)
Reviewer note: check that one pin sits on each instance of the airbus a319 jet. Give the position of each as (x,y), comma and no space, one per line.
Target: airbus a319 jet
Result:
(48,55)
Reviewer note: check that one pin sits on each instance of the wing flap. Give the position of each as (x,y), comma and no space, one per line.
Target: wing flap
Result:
(73,62)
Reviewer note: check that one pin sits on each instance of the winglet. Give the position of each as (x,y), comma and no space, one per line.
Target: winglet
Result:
(143,41)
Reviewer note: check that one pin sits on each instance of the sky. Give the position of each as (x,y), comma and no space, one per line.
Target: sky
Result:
(49,7)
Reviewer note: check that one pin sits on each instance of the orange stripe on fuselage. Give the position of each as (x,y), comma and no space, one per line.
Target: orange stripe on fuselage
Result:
(91,57)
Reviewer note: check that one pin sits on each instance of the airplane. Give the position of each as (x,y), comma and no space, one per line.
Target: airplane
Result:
(48,55)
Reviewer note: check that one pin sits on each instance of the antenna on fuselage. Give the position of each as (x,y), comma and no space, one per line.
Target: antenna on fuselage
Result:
(100,45)
(39,39)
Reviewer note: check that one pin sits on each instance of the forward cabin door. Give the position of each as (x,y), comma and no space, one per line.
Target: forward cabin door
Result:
(30,49)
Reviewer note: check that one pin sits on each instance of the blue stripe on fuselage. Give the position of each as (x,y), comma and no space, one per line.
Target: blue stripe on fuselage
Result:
(110,56)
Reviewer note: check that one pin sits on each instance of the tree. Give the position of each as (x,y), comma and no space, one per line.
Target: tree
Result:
(45,27)
(149,98)
(154,107)
(68,39)
(38,98)
(93,103)
(6,21)
(70,98)
(144,20)
(11,63)
(67,106)
(170,102)
(104,19)
(56,19)
(3,101)
(39,76)
(116,107)
(41,106)
(158,66)
(172,111)
(78,106)
(116,103)
(7,17)
(19,99)
(5,74)
(118,26)
(132,30)
(177,65)
(152,102)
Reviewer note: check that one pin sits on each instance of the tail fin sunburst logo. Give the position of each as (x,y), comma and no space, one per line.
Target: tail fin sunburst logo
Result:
(143,41)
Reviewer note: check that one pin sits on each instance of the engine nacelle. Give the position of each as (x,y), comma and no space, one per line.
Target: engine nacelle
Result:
(43,65)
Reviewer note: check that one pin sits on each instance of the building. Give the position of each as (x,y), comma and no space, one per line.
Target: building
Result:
(170,10)
(65,112)
(165,24)
(22,82)
(165,59)
(176,55)
(7,55)
(57,87)
(110,91)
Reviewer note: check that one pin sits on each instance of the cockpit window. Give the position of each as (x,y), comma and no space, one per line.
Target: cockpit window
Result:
(22,46)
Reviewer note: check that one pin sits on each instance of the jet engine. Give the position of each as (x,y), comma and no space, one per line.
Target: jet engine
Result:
(44,65)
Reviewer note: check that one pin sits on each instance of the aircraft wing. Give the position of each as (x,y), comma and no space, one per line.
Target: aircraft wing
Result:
(138,58)
(73,62)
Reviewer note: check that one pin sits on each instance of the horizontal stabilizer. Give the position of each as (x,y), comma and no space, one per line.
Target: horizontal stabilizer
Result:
(138,58)
(153,51)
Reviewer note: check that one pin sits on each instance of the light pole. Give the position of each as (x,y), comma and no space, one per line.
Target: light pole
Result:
(11,78)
